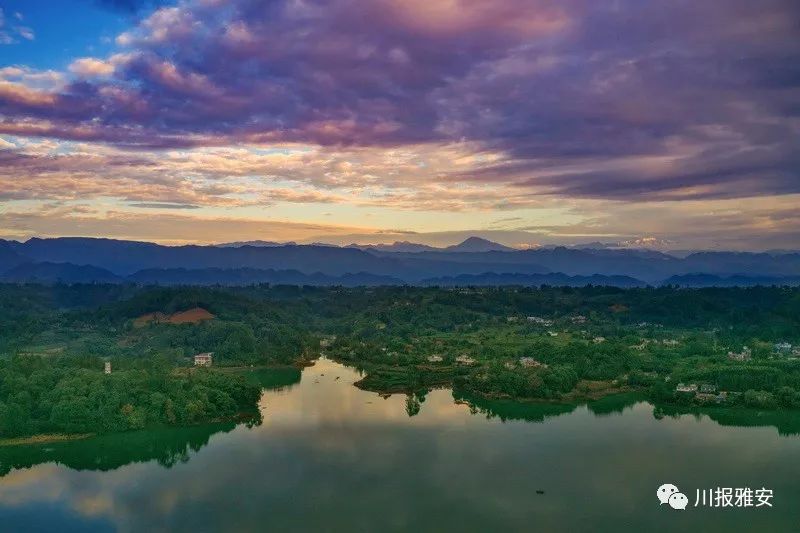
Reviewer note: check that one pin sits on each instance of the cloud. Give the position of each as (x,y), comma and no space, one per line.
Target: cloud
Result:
(9,33)
(163,205)
(453,106)
(244,176)
(544,84)
(90,66)
(25,32)
(49,80)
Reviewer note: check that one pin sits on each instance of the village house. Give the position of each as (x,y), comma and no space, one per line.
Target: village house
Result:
(326,342)
(598,340)
(435,359)
(203,359)
(552,333)
(745,355)
(706,388)
(540,321)
(578,319)
(670,342)
(783,347)
(465,359)
(107,367)
(530,362)
(692,387)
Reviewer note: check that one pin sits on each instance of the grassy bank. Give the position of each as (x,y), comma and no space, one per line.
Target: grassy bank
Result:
(44,438)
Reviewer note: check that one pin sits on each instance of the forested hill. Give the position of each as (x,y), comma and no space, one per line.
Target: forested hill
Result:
(277,323)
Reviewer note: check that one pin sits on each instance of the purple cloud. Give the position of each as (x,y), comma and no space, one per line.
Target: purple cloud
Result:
(656,100)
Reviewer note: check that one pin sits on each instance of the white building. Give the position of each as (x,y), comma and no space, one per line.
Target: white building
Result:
(783,347)
(540,321)
(203,359)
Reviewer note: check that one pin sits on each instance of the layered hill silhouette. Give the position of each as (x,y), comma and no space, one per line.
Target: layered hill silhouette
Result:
(475,261)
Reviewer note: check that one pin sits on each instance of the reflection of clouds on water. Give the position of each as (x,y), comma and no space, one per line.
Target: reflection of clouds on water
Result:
(326,458)
(323,400)
(25,477)
(90,494)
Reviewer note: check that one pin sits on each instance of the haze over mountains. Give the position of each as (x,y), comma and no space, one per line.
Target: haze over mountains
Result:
(475,261)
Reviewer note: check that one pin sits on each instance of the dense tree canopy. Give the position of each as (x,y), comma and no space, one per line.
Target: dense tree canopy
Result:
(513,342)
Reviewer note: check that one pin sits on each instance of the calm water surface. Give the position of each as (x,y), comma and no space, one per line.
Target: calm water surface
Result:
(330,457)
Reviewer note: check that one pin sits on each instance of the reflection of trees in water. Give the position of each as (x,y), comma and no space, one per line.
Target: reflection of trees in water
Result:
(614,404)
(786,421)
(414,402)
(278,378)
(167,446)
(412,405)
(512,410)
(506,409)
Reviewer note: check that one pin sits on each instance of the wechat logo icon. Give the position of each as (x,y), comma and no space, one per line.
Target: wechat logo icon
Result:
(672,496)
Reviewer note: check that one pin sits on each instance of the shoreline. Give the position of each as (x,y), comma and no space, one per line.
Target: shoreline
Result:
(45,438)
(297,364)
(241,417)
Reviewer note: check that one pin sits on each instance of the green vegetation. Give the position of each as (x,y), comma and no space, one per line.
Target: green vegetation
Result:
(563,344)
(70,395)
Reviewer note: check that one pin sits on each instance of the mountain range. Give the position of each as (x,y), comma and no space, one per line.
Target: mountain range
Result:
(475,261)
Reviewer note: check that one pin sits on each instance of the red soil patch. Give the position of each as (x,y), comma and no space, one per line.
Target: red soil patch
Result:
(192,316)
(149,318)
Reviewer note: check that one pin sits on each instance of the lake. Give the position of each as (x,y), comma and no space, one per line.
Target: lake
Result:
(328,456)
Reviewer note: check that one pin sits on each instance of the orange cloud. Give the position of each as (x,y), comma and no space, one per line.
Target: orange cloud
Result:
(90,66)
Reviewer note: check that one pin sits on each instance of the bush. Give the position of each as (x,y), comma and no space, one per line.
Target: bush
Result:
(760,399)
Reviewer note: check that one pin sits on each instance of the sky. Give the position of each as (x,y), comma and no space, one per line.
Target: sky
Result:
(667,123)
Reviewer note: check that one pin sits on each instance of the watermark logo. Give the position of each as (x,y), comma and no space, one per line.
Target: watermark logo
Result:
(672,496)
(719,497)
(733,497)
